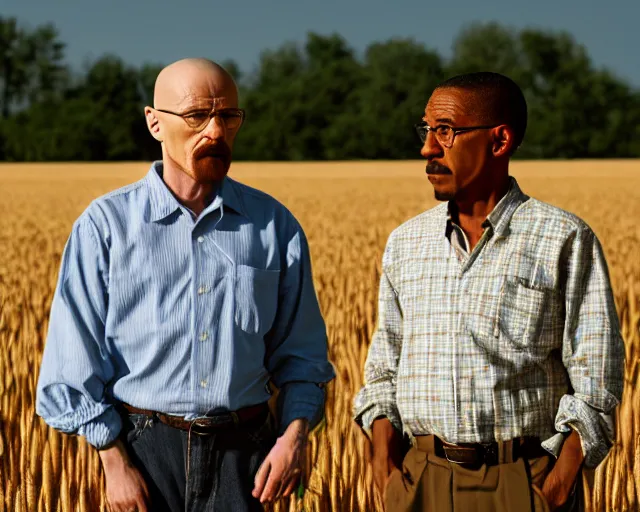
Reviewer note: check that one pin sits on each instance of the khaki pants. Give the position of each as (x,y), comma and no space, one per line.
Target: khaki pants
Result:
(429,483)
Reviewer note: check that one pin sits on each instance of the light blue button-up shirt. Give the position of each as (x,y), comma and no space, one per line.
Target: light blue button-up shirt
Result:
(180,315)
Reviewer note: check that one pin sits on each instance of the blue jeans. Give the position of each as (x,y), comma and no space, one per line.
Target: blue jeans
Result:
(222,466)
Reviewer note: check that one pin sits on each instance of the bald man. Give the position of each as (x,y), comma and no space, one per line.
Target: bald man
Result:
(183,299)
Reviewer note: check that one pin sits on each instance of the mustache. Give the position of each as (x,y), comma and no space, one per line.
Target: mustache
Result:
(436,168)
(219,150)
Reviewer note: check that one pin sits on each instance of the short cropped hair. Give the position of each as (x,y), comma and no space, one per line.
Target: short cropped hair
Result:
(500,99)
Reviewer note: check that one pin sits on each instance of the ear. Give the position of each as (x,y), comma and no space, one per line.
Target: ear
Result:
(502,141)
(153,123)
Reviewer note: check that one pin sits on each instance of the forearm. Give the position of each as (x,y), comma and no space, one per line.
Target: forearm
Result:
(560,481)
(113,454)
(571,456)
(298,430)
(386,441)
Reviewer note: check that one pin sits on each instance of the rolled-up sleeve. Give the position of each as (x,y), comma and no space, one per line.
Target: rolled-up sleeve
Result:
(377,398)
(593,350)
(75,366)
(297,347)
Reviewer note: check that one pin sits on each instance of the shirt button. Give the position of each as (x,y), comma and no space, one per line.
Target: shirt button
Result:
(202,289)
(204,336)
(200,239)
(203,383)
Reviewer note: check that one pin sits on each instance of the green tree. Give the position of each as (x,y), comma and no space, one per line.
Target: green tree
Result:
(322,94)
(397,80)
(266,100)
(31,70)
(487,47)
(294,97)
(99,118)
(113,88)
(575,111)
(31,66)
(315,100)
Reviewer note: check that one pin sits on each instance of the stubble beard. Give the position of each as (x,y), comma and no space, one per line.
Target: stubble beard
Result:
(443,196)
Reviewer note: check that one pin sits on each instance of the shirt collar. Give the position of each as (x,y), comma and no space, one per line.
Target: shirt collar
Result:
(163,203)
(500,217)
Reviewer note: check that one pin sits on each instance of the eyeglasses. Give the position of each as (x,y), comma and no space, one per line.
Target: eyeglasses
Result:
(444,133)
(199,119)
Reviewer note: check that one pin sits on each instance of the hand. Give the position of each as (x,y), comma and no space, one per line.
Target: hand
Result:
(560,480)
(280,472)
(126,488)
(382,468)
(387,452)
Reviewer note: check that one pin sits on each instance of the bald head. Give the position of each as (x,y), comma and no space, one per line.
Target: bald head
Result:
(196,118)
(192,83)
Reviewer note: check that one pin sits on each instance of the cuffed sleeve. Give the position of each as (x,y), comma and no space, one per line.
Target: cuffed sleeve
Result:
(301,400)
(75,366)
(595,428)
(378,395)
(102,430)
(297,346)
(592,351)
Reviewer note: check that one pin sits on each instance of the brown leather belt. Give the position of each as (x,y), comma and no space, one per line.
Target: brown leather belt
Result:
(224,421)
(477,454)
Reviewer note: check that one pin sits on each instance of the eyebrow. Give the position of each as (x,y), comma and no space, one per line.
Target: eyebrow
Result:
(444,120)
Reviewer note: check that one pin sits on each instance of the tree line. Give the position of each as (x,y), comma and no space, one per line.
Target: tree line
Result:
(317,100)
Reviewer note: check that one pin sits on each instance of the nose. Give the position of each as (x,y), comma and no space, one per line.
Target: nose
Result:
(431,148)
(215,129)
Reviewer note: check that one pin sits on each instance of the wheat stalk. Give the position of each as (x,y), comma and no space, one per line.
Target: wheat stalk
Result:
(348,211)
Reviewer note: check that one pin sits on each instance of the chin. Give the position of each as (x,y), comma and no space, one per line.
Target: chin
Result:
(209,172)
(443,195)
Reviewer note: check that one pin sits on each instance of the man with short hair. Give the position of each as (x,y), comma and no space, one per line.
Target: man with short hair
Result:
(180,299)
(498,351)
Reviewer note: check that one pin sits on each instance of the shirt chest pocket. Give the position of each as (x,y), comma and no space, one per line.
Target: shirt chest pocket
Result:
(256,299)
(521,313)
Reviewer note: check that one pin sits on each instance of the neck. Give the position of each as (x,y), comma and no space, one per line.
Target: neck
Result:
(194,195)
(471,212)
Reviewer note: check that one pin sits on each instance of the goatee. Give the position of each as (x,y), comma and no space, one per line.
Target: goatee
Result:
(443,196)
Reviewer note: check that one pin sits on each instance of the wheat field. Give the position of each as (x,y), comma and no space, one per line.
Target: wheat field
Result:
(347,211)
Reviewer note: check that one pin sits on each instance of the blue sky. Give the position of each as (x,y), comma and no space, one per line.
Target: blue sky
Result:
(161,31)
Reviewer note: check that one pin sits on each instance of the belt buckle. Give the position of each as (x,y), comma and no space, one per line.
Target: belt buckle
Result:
(446,456)
(202,424)
(490,454)
(198,427)
(484,454)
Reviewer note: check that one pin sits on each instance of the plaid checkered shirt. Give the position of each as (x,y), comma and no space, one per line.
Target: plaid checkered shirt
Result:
(518,337)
